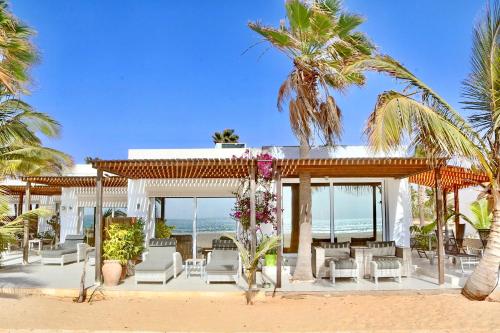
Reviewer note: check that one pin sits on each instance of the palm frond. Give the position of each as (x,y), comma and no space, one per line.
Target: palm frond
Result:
(398,119)
(482,87)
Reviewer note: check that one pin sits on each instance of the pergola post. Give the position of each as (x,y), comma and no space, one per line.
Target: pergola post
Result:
(445,210)
(459,228)
(253,229)
(439,219)
(20,204)
(98,232)
(279,223)
(26,224)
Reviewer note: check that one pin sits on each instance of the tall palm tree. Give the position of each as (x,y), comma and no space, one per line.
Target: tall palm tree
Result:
(411,117)
(17,52)
(328,54)
(226,136)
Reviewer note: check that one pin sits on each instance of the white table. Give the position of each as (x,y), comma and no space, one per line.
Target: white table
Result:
(32,242)
(194,266)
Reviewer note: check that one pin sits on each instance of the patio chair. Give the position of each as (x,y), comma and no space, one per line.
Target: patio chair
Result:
(452,250)
(384,262)
(347,267)
(326,252)
(223,263)
(161,262)
(73,249)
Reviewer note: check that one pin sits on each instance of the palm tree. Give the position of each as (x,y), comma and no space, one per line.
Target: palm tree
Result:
(328,53)
(226,136)
(411,117)
(17,52)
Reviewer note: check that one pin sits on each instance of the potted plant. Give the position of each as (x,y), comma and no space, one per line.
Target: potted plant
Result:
(124,243)
(270,258)
(481,220)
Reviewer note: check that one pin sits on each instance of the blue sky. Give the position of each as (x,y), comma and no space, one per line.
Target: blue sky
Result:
(166,74)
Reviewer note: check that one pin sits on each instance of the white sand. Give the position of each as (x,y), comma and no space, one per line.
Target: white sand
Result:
(451,313)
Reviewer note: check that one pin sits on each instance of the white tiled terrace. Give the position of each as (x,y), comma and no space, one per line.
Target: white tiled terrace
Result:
(14,275)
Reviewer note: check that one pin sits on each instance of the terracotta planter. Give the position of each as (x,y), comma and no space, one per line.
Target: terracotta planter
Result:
(111,272)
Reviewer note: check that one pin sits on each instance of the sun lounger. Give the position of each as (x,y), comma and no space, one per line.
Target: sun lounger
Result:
(73,249)
(223,263)
(161,263)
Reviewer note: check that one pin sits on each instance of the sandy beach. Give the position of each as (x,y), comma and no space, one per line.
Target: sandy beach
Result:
(402,313)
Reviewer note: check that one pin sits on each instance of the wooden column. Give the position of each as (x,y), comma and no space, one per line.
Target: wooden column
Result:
(98,232)
(459,228)
(439,219)
(26,224)
(279,223)
(445,211)
(253,220)
(20,204)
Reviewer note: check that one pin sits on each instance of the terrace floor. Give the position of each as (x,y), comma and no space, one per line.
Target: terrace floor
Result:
(14,275)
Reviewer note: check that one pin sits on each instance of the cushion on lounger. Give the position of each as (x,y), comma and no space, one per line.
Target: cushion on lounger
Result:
(387,262)
(71,241)
(153,266)
(223,261)
(380,249)
(56,253)
(345,264)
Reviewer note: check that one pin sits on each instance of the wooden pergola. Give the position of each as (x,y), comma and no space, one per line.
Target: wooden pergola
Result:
(207,168)
(52,185)
(444,180)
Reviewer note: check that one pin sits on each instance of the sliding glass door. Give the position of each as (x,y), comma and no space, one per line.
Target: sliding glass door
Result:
(357,212)
(339,212)
(197,221)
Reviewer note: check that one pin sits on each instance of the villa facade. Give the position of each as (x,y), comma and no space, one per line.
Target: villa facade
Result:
(342,207)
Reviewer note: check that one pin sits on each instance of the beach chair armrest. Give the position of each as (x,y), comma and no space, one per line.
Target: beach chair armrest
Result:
(177,257)
(81,251)
(318,259)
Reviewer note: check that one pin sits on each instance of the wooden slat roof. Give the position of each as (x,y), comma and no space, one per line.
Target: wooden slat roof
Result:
(76,181)
(177,168)
(451,177)
(354,167)
(239,167)
(35,190)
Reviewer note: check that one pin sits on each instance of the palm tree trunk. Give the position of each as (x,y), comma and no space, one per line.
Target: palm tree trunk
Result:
(421,201)
(303,268)
(485,277)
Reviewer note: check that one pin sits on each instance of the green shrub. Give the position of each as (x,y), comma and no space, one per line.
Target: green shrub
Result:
(162,230)
(124,242)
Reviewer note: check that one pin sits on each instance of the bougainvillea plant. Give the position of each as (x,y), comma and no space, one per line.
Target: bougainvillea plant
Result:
(265,199)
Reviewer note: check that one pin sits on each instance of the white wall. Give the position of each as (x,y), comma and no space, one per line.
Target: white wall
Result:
(75,197)
(398,210)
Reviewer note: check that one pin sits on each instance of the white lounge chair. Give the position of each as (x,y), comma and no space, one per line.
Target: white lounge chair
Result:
(223,263)
(73,249)
(161,263)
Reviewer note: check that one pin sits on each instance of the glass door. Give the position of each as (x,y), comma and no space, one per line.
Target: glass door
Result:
(320,213)
(357,212)
(212,222)
(179,213)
